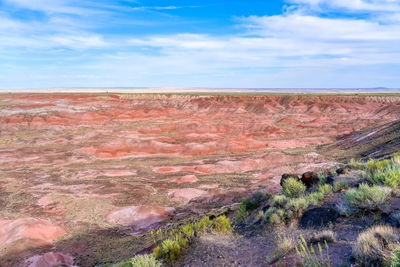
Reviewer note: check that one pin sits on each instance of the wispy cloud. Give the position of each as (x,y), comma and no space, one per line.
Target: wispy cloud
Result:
(353,5)
(156,7)
(298,48)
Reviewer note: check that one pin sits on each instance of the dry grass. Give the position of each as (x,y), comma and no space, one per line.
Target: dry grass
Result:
(284,243)
(376,246)
(322,236)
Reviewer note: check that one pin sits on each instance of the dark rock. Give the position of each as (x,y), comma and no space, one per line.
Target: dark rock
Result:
(352,260)
(319,216)
(329,177)
(390,219)
(264,209)
(287,176)
(343,170)
(310,178)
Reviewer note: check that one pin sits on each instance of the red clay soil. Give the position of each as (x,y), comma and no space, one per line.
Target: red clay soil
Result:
(94,159)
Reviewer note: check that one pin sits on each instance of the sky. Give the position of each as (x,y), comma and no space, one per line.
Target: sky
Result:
(200,43)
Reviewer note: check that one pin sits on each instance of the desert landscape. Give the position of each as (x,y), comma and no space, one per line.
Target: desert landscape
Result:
(85,177)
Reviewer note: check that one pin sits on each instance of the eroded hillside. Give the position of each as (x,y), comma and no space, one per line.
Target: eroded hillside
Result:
(79,163)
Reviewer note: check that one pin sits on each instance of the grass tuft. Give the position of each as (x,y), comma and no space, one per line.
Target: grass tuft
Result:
(357,164)
(310,257)
(340,185)
(140,261)
(376,246)
(325,189)
(323,236)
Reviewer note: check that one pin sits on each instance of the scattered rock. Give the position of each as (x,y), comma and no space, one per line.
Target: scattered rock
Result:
(319,216)
(310,178)
(140,216)
(286,176)
(343,170)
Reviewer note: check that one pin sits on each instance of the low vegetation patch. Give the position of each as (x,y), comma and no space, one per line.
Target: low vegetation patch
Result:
(315,198)
(367,197)
(293,188)
(386,172)
(390,177)
(340,185)
(376,166)
(286,207)
(248,205)
(357,164)
(171,245)
(376,246)
(325,189)
(140,261)
(310,257)
(284,243)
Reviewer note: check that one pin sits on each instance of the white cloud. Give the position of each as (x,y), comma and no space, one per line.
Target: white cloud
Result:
(298,48)
(354,5)
(50,6)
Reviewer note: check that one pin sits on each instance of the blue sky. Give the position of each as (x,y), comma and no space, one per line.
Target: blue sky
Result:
(202,43)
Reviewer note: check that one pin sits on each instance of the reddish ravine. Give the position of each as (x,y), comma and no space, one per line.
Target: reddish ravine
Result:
(68,160)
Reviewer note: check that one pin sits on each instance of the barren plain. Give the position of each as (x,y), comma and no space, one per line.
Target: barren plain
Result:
(84,177)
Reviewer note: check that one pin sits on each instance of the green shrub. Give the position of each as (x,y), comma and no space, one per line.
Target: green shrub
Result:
(259,197)
(170,250)
(375,170)
(275,219)
(311,258)
(140,261)
(376,246)
(188,230)
(340,185)
(322,178)
(202,225)
(274,215)
(248,205)
(297,206)
(325,189)
(390,177)
(279,200)
(293,188)
(221,224)
(241,213)
(367,197)
(377,166)
(314,198)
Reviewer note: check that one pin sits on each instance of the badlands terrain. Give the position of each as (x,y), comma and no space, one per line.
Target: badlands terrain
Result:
(85,177)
